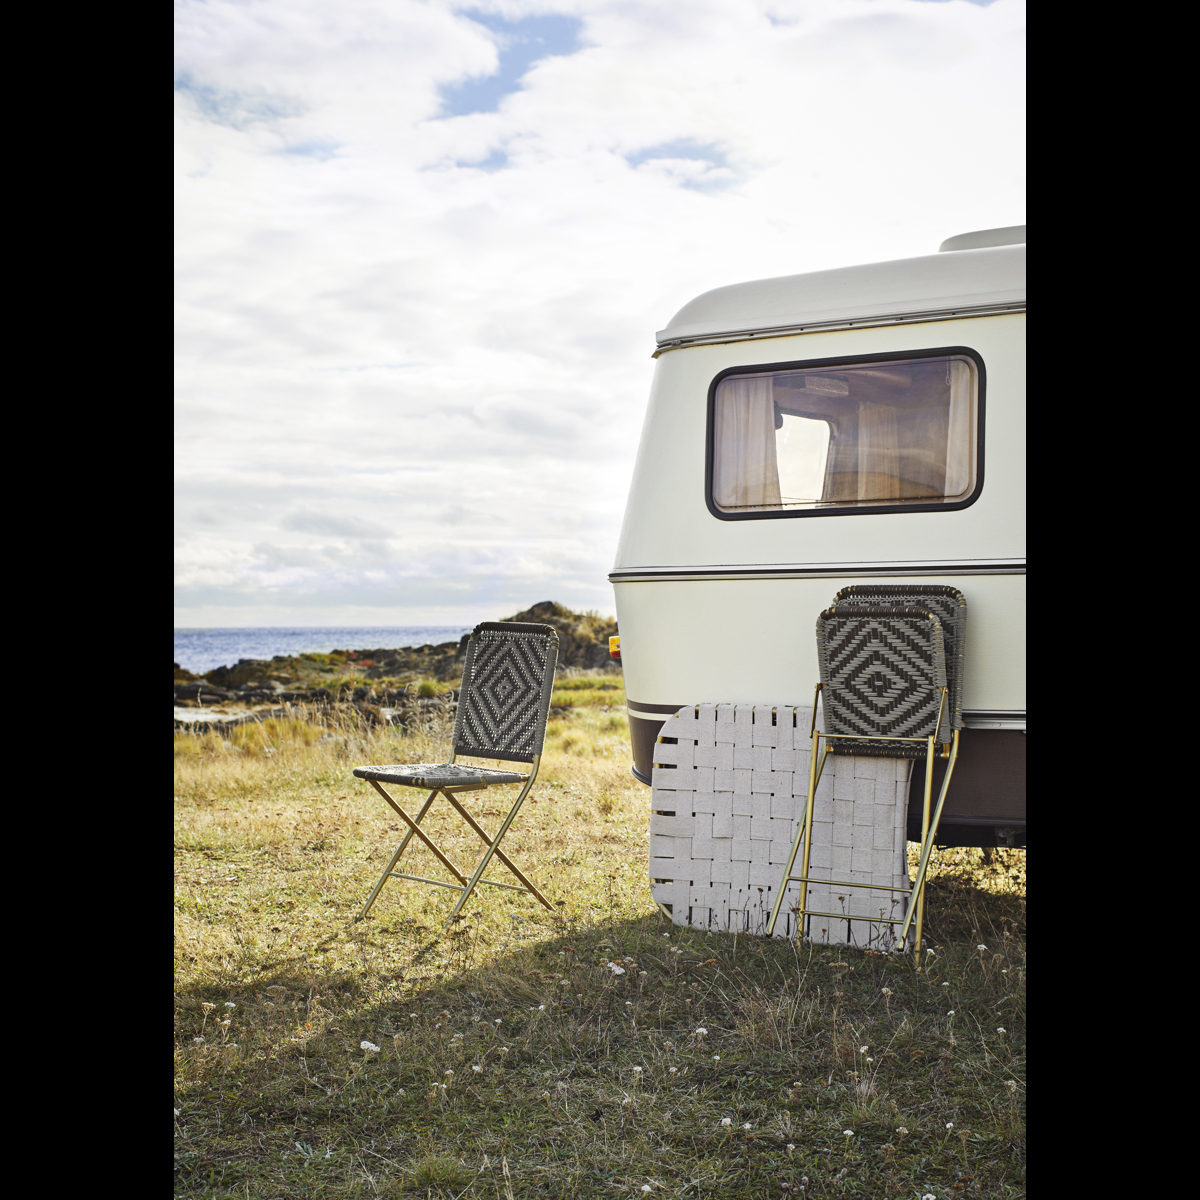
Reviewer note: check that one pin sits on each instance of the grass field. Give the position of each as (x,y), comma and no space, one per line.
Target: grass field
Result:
(595,1051)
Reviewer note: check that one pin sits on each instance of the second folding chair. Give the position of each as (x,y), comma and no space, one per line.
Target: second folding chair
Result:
(886,694)
(502,708)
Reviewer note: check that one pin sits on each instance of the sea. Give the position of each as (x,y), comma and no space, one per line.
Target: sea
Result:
(199,650)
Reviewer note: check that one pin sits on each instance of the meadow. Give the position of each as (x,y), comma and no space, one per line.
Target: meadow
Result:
(593,1051)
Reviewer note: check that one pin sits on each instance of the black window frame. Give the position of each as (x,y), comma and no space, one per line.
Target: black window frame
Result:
(846,510)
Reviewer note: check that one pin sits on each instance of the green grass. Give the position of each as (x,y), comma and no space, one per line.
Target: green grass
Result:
(275,852)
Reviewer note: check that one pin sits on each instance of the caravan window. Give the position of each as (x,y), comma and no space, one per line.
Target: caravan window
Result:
(866,435)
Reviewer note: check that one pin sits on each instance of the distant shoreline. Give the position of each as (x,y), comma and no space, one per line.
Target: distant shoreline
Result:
(200,649)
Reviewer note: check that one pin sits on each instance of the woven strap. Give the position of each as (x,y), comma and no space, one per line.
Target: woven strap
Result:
(881,668)
(506,686)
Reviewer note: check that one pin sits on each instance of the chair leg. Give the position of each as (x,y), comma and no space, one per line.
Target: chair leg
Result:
(508,862)
(420,833)
(395,859)
(919,892)
(812,808)
(918,889)
(804,833)
(492,847)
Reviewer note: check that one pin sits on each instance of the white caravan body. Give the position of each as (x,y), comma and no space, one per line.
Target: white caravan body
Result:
(719,604)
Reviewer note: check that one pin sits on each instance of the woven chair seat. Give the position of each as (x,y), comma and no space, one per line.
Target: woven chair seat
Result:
(438,775)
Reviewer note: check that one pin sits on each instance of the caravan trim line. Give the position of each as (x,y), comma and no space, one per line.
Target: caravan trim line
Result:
(857,570)
(773,331)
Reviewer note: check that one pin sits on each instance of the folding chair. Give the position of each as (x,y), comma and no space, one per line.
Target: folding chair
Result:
(883,674)
(502,710)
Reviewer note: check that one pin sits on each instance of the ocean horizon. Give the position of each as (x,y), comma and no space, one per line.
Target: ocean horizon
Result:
(200,650)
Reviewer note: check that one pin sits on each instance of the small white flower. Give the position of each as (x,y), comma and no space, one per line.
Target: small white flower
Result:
(477,1068)
(949,1124)
(616,969)
(862,1049)
(565,982)
(981,947)
(497,1020)
(674,1070)
(1003,970)
(628,1003)
(869,1059)
(199,1041)
(746,1126)
(888,992)
(726,1122)
(447,1072)
(177,1112)
(637,1070)
(645,1187)
(847,1133)
(364,1045)
(701,1031)
(1001,1030)
(902,1131)
(790,1147)
(950,1013)
(945,985)
(929,1196)
(413,1015)
(230,1004)
(666,935)
(541,1008)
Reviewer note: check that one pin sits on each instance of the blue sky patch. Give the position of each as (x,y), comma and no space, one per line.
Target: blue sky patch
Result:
(521,43)
(238,110)
(719,175)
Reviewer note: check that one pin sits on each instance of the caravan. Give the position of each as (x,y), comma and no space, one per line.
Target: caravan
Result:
(856,426)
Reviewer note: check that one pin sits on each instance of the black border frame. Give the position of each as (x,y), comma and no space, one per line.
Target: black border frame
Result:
(848,510)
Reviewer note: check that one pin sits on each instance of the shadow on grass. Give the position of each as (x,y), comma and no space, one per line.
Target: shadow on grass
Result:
(578,1059)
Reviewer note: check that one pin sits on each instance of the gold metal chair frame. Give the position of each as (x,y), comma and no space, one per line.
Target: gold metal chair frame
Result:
(464,885)
(916,903)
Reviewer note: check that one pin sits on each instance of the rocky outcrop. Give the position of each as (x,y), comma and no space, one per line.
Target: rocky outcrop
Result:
(582,637)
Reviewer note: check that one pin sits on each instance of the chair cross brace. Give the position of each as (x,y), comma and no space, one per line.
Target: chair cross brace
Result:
(464,885)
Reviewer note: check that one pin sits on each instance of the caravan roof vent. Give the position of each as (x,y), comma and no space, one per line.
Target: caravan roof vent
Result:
(1010,235)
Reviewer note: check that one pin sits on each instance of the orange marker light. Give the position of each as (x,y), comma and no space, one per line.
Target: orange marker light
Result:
(614,648)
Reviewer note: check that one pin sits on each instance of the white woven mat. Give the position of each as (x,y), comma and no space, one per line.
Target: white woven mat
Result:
(727,798)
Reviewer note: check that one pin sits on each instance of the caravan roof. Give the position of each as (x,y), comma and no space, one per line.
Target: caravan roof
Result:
(935,286)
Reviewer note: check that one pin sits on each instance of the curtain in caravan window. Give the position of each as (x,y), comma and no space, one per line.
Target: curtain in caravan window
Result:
(745,470)
(878,452)
(960,442)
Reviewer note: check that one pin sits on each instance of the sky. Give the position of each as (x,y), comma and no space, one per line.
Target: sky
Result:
(423,248)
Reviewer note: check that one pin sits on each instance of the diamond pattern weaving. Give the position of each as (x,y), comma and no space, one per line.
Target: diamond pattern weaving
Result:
(948,604)
(506,691)
(881,668)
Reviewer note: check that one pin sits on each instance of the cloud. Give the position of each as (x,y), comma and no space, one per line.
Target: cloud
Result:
(415,320)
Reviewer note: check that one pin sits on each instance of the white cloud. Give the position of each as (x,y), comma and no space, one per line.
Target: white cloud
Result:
(414,347)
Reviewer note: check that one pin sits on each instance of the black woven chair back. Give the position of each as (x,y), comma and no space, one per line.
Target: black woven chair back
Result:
(506,686)
(946,603)
(881,668)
